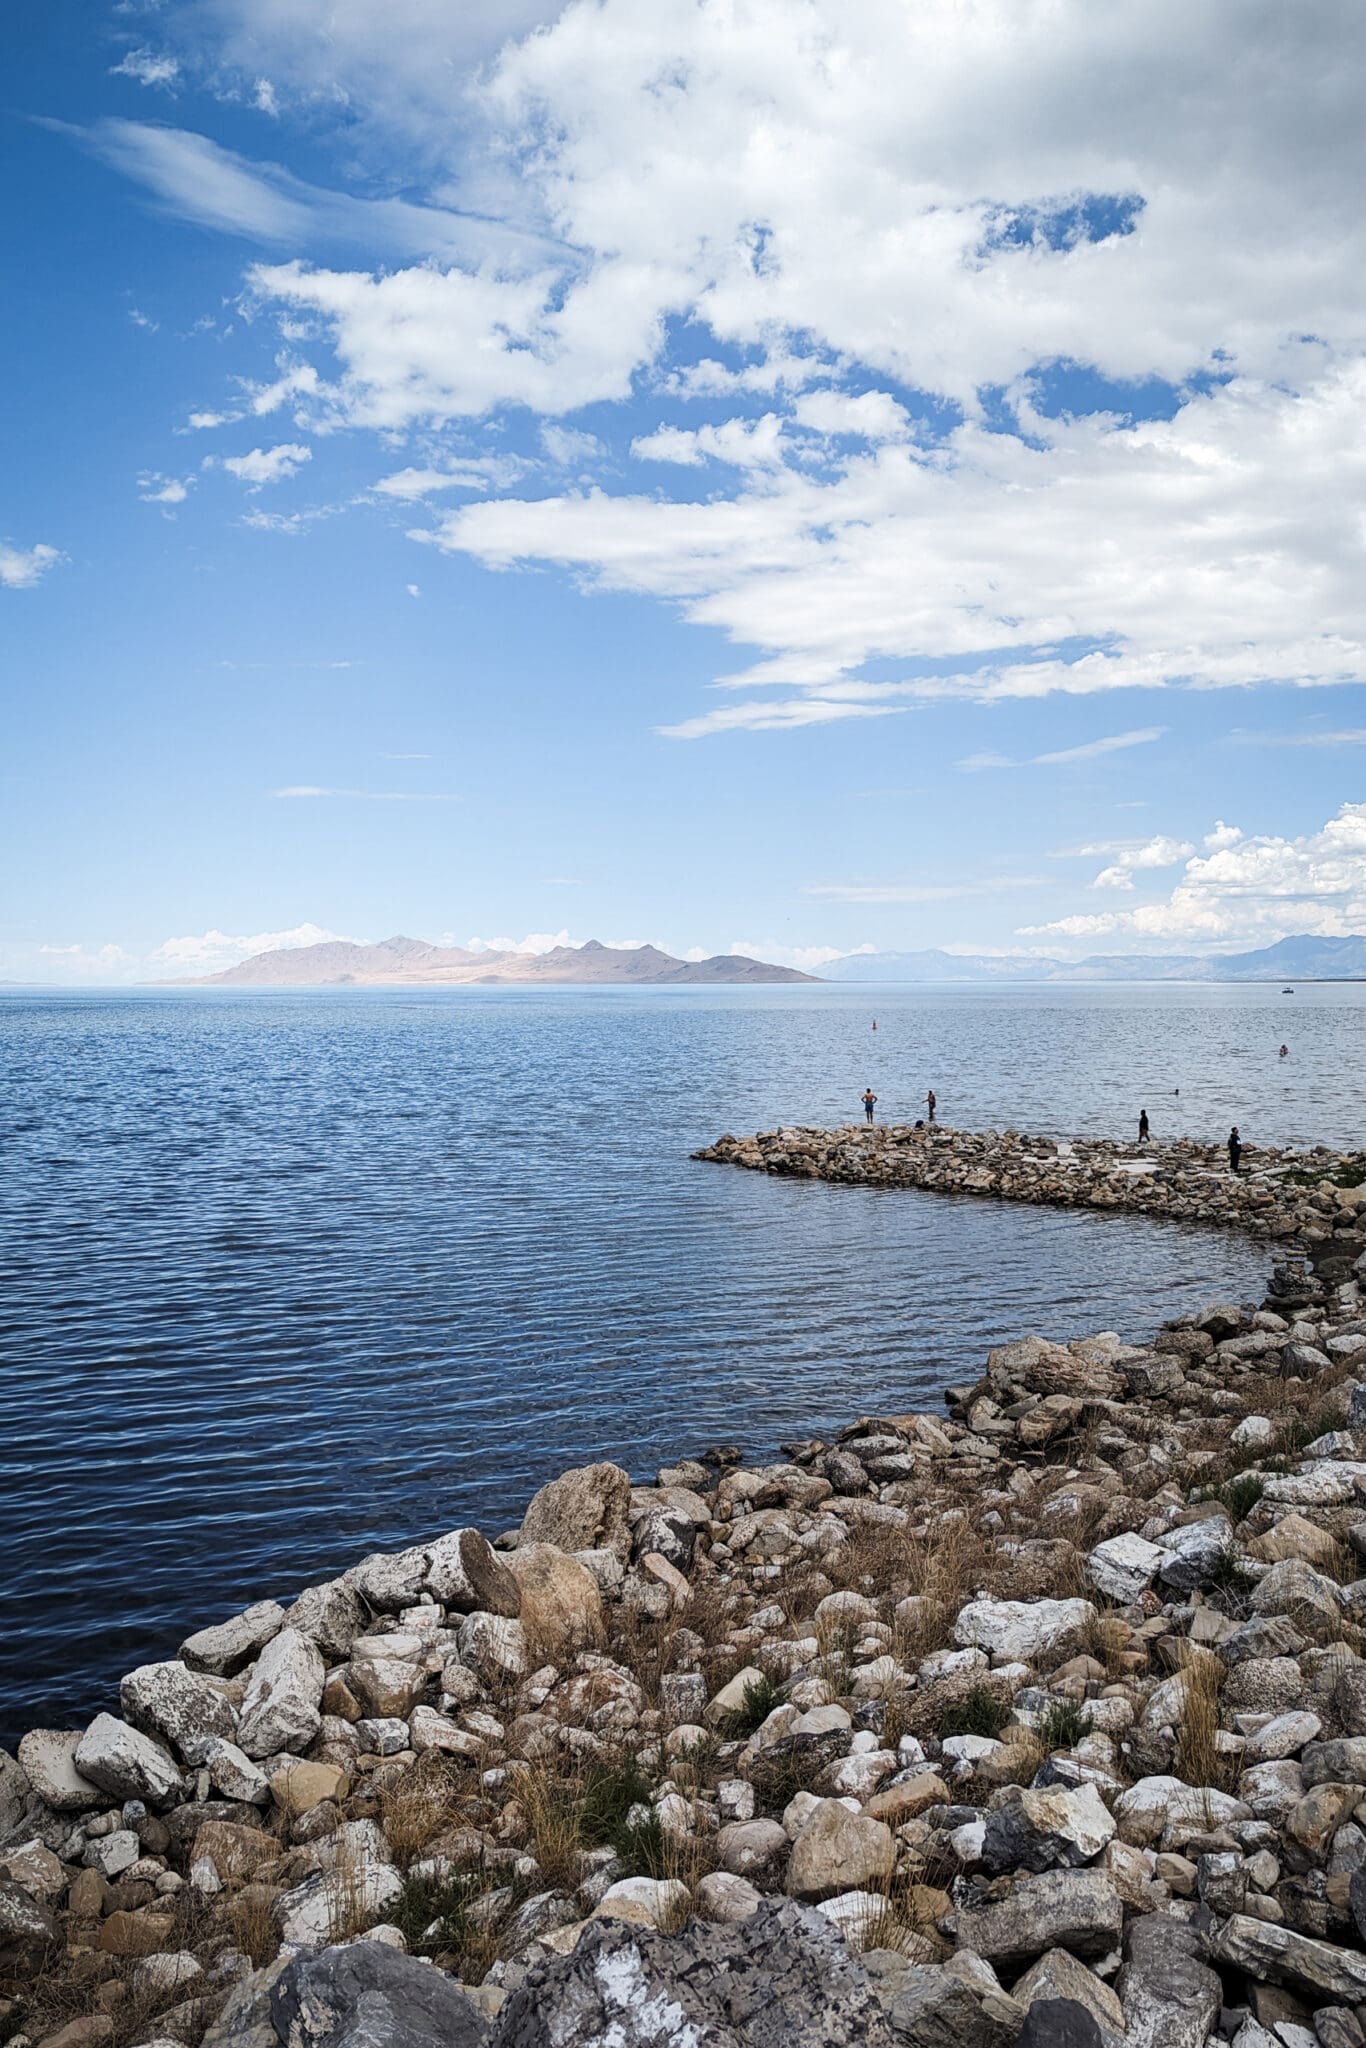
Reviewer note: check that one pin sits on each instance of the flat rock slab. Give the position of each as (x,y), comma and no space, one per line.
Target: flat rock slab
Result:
(783,1978)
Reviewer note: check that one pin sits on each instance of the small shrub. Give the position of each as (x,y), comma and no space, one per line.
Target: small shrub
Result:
(979,1712)
(608,1794)
(445,1907)
(1198,1758)
(1241,1494)
(761,1697)
(1062,1726)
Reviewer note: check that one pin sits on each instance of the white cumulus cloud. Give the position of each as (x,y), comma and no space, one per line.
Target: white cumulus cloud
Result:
(21,568)
(268,465)
(1258,888)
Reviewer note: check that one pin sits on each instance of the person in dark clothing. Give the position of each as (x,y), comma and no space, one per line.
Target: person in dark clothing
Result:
(1143,1127)
(931,1104)
(1235,1149)
(869,1099)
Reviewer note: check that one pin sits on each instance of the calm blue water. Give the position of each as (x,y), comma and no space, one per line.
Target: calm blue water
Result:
(284,1278)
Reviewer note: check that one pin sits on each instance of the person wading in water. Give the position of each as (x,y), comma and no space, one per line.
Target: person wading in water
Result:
(1235,1149)
(930,1104)
(869,1099)
(1143,1127)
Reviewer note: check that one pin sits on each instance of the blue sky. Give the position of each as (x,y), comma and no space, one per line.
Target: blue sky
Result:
(783,476)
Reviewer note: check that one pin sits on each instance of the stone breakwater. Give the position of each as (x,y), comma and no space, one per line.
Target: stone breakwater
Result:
(1276,1194)
(1036,1724)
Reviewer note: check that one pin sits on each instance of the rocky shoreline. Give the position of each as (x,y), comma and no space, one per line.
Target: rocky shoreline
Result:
(1042,1721)
(1276,1194)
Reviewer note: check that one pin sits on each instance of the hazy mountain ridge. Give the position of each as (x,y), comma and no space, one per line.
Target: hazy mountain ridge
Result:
(1304,958)
(412,962)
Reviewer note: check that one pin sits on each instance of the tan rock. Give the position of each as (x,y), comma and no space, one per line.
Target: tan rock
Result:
(134,1934)
(587,1508)
(88,1895)
(300,1787)
(560,1601)
(388,1688)
(90,2031)
(1294,1536)
(907,1802)
(235,1852)
(838,1851)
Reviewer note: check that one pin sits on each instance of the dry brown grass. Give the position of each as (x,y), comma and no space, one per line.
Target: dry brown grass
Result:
(1198,1758)
(420,1802)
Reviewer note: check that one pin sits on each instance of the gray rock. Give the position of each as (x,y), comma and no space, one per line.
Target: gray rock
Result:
(245,2020)
(1171,1999)
(1194,1554)
(1059,1975)
(1023,1631)
(783,1978)
(1059,2023)
(230,1645)
(1336,2027)
(283,1704)
(27,1931)
(176,1704)
(933,2008)
(15,1790)
(367,1995)
(464,1573)
(1123,1567)
(1278,1955)
(124,1761)
(1294,1589)
(48,1756)
(331,1615)
(1338,1763)
(1078,1910)
(390,1580)
(1046,1829)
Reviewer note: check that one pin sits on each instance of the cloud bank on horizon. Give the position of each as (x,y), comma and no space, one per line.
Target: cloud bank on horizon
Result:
(996,356)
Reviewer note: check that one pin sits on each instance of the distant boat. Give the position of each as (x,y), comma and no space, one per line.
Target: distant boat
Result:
(1287,991)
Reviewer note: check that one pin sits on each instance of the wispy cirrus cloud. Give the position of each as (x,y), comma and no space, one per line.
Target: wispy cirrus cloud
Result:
(920,892)
(311,790)
(1088,750)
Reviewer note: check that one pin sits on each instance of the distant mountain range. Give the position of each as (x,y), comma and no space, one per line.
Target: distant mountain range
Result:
(1298,959)
(413,962)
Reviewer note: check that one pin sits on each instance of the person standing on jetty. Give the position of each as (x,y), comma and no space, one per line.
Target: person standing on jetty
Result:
(1235,1149)
(1143,1127)
(869,1100)
(931,1105)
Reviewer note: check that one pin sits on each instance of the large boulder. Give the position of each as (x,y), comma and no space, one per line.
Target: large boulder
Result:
(48,1757)
(934,2008)
(365,1994)
(16,1790)
(27,1931)
(1078,1910)
(178,1705)
(125,1762)
(335,1904)
(1023,1631)
(331,1614)
(560,1605)
(839,1851)
(1123,1567)
(1278,1955)
(282,1708)
(1170,1998)
(1059,1975)
(781,1978)
(466,1574)
(587,1508)
(229,1646)
(1045,1829)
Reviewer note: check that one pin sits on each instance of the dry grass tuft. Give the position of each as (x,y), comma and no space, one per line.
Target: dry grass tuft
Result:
(1198,1758)
(419,1803)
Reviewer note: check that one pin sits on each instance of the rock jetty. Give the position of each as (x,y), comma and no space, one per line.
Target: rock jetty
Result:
(1035,1723)
(1276,1193)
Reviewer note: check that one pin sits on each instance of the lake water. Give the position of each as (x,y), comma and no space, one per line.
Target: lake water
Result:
(285,1278)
